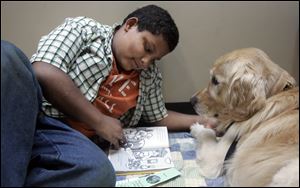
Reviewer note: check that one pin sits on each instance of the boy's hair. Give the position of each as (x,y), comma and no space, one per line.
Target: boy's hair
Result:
(157,21)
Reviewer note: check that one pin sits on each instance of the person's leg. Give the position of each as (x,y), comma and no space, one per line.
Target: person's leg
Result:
(65,157)
(19,110)
(60,156)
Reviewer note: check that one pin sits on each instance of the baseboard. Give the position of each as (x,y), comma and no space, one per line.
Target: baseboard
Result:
(182,107)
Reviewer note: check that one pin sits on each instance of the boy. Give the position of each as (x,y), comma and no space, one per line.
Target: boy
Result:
(116,78)
(96,79)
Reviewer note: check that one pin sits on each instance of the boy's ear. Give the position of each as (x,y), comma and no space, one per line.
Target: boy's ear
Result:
(130,22)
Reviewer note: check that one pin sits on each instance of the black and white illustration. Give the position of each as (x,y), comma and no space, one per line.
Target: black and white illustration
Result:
(146,148)
(136,138)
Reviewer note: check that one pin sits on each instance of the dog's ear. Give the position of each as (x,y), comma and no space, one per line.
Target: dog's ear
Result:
(284,82)
(246,96)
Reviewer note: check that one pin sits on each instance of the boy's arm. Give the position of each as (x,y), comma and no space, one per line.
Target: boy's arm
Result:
(176,121)
(59,89)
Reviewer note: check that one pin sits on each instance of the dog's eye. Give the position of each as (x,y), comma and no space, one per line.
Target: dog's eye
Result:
(216,115)
(214,80)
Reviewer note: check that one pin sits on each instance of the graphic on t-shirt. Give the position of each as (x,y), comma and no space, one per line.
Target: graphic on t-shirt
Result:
(118,93)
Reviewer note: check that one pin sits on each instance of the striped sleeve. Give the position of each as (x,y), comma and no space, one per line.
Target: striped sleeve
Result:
(61,46)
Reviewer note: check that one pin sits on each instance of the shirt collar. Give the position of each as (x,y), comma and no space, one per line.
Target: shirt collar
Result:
(108,42)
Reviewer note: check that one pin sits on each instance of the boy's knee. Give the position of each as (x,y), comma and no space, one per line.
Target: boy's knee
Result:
(13,59)
(11,55)
(9,50)
(7,45)
(17,69)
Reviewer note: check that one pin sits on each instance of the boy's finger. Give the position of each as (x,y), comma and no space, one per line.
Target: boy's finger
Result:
(116,144)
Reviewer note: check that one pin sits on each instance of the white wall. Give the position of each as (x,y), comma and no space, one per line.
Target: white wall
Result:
(207,30)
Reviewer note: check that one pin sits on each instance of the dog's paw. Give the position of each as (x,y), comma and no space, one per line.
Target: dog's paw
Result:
(210,169)
(198,131)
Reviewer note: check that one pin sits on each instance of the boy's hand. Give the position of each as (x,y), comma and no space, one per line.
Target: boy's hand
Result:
(111,130)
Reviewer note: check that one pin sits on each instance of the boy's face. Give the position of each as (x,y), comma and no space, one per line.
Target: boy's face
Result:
(134,50)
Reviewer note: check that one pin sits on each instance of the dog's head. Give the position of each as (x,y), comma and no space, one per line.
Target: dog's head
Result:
(240,83)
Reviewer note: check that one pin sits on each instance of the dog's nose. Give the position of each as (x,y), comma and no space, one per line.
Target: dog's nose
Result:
(193,101)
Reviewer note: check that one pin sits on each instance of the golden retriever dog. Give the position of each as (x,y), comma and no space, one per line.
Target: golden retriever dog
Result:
(256,103)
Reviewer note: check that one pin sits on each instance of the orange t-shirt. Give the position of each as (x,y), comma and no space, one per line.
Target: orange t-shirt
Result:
(116,95)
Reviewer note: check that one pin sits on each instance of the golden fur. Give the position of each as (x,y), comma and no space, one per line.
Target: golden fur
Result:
(256,101)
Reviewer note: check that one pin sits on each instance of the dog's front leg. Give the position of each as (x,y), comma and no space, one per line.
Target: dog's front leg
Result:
(210,152)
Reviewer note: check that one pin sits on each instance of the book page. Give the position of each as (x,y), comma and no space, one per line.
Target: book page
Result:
(140,160)
(146,137)
(146,148)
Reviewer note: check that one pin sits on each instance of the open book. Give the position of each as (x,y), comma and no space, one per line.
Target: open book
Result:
(146,150)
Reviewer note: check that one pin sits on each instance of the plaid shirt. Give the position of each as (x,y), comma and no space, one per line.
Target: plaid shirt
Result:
(81,47)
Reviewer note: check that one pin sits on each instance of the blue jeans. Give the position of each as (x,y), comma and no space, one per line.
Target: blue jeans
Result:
(37,150)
